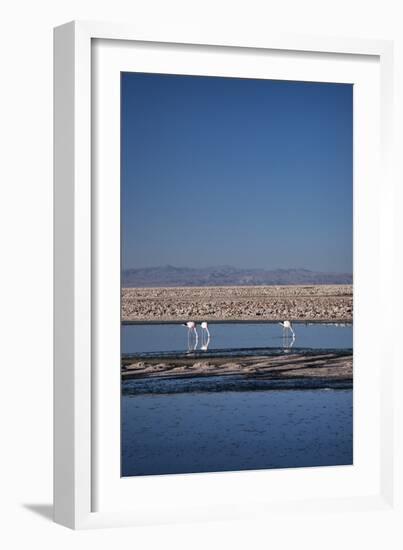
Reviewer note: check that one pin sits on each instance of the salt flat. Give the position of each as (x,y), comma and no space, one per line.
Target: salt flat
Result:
(332,303)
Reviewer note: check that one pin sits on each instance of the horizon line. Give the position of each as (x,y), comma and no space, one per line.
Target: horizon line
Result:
(235,267)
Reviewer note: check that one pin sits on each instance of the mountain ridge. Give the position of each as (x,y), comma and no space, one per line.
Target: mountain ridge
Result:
(174,276)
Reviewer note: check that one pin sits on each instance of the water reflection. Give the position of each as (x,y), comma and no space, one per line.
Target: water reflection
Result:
(205,344)
(288,336)
(193,340)
(288,341)
(193,336)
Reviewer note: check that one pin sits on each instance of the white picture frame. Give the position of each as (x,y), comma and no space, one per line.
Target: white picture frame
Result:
(85,494)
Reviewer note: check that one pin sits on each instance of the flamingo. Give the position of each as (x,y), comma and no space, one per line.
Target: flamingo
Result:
(204,327)
(287,326)
(191,326)
(205,330)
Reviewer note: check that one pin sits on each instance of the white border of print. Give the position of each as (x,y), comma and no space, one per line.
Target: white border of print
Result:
(89,491)
(109,490)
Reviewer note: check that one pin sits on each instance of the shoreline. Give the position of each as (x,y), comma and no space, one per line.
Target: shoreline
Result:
(328,366)
(237,321)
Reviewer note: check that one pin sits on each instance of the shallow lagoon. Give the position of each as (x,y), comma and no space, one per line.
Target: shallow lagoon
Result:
(219,431)
(193,426)
(137,339)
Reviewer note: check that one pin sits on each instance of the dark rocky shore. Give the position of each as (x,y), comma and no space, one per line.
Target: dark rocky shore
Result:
(324,366)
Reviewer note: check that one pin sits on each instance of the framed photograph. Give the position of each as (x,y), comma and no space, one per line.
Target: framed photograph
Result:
(222,256)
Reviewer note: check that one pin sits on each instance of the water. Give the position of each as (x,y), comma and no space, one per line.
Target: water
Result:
(138,339)
(212,424)
(212,432)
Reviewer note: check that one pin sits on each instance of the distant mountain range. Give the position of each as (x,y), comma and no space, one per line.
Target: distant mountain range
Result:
(170,276)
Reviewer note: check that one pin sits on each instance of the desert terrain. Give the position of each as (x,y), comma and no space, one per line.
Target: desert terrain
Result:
(310,303)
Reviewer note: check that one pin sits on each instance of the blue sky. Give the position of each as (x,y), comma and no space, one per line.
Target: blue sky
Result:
(241,172)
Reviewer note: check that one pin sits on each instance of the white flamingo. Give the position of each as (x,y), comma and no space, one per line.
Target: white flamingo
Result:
(191,326)
(205,330)
(204,326)
(286,327)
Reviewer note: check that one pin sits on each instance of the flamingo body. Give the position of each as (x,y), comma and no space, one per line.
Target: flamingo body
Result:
(205,332)
(287,326)
(191,326)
